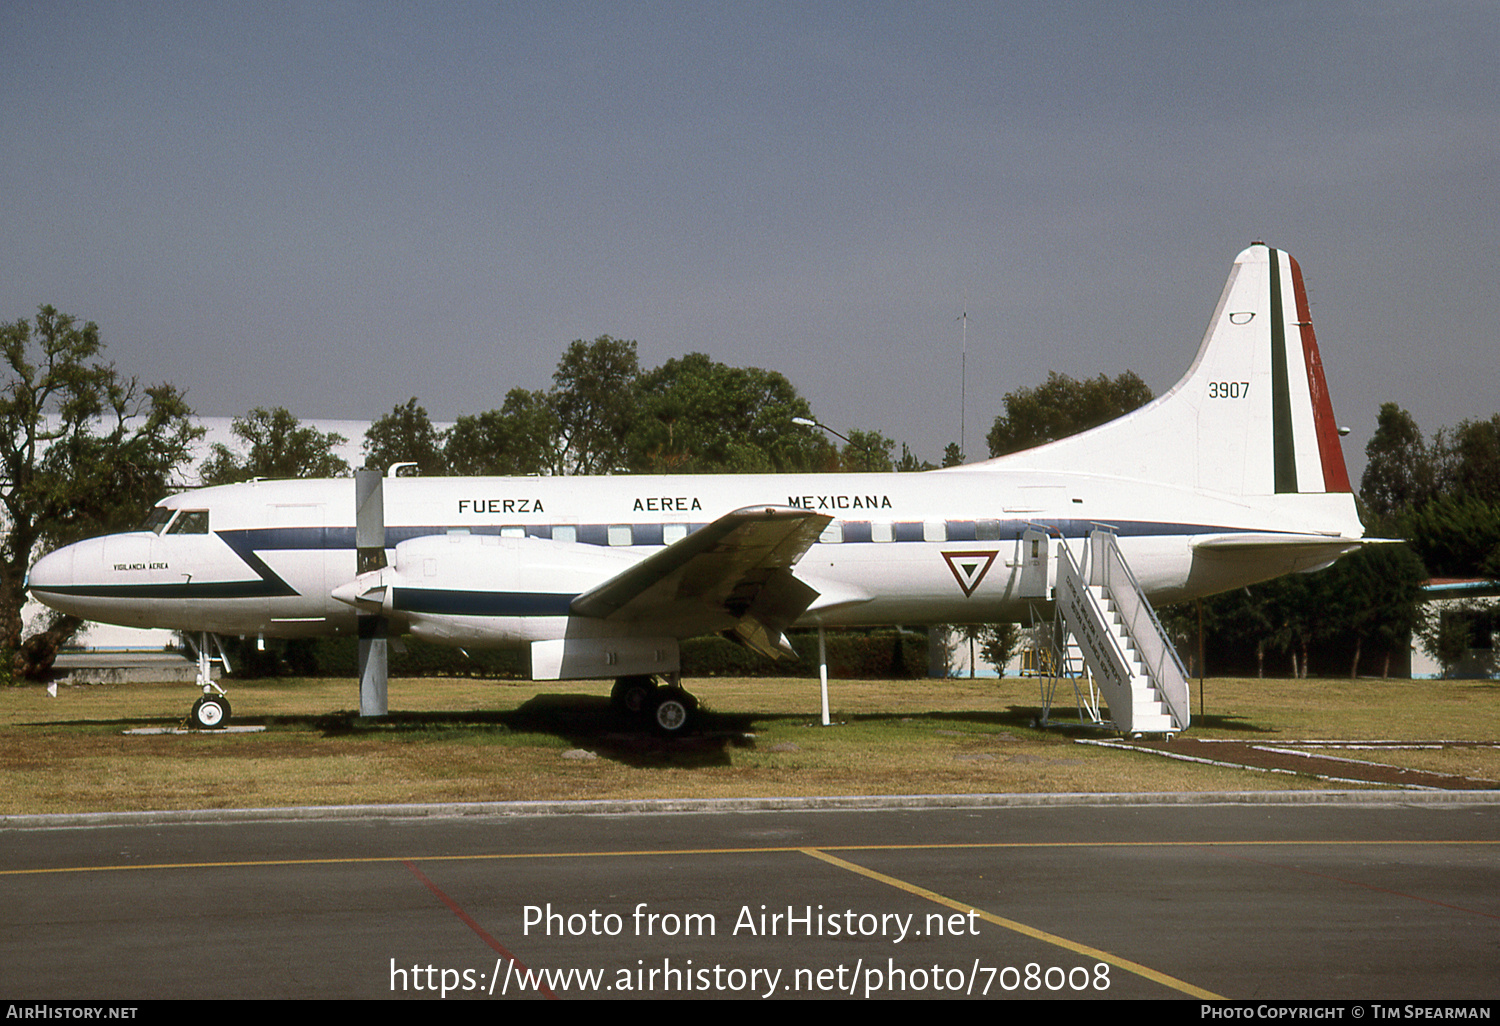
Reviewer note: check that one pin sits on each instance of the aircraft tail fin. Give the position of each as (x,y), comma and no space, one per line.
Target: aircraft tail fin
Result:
(1250,417)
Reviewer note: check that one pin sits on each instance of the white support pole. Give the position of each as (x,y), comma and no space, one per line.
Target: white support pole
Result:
(823,671)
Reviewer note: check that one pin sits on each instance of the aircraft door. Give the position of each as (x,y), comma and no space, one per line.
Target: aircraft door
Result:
(1035,576)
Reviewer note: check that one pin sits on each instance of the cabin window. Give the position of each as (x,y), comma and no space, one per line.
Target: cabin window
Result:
(190,521)
(565,532)
(961,530)
(620,534)
(934,530)
(856,531)
(882,532)
(512,532)
(833,533)
(673,533)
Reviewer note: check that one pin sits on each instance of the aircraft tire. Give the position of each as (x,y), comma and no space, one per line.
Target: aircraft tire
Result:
(211,712)
(673,711)
(631,696)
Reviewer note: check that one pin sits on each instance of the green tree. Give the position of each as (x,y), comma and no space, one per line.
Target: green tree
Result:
(1062,407)
(908,463)
(952,455)
(1399,474)
(1234,623)
(1456,536)
(696,415)
(1373,599)
(520,438)
(406,435)
(998,643)
(1446,635)
(1468,459)
(278,446)
(84,452)
(868,451)
(593,399)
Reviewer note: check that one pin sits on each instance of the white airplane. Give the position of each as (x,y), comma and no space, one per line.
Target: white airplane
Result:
(1233,476)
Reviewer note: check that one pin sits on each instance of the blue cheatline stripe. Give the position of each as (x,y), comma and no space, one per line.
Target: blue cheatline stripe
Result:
(1283,443)
(480,603)
(209,590)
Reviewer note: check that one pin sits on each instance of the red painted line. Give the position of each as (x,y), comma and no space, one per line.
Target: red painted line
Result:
(1335,473)
(468,920)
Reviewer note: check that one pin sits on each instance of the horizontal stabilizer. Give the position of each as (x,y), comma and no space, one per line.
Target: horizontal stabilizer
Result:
(1334,545)
(1288,552)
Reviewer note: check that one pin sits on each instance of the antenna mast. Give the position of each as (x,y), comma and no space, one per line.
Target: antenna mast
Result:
(963,382)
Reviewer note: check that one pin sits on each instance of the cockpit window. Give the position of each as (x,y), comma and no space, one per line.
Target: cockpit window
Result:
(157,520)
(190,521)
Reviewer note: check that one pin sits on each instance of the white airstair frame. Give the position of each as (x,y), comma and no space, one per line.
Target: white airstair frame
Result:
(1131,658)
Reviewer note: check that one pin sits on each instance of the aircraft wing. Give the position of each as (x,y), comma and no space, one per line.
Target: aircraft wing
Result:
(734,574)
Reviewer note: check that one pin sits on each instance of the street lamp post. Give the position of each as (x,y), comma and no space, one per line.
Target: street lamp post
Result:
(809,422)
(822,640)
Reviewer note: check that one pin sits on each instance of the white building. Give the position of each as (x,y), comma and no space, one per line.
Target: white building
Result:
(1476,601)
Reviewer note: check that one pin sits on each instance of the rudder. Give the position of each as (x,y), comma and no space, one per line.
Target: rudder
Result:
(1252,414)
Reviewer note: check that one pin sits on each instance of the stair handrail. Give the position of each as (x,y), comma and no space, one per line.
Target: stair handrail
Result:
(1070,579)
(1142,624)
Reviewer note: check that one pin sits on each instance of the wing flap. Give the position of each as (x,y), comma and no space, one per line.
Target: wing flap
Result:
(737,568)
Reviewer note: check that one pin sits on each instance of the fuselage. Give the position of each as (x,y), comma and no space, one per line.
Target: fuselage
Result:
(264,558)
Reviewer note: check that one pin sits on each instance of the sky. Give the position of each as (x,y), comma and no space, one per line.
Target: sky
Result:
(335,207)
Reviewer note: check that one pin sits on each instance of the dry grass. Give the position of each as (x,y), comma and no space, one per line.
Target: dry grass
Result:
(463,740)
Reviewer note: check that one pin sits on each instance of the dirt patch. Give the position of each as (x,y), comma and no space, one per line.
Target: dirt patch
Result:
(1349,762)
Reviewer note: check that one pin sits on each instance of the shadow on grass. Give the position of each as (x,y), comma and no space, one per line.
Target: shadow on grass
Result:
(583,721)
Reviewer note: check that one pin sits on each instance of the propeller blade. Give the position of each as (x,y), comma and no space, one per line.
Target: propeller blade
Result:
(374,629)
(373,666)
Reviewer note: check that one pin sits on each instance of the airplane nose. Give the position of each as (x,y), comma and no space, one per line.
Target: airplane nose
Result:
(50,573)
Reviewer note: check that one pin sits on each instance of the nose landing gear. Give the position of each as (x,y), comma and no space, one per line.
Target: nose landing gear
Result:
(211,712)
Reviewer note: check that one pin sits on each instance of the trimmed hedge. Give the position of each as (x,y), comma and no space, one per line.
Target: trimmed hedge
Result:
(883,654)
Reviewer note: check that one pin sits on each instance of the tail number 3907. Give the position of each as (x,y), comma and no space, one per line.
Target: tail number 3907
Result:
(1229,389)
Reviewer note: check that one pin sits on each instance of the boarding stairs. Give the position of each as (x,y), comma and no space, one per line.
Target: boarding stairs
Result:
(1106,619)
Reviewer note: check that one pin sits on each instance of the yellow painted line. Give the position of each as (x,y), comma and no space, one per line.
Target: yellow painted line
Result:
(1028,931)
(617,853)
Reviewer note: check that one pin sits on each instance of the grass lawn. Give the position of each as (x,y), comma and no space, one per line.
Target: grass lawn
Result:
(470,740)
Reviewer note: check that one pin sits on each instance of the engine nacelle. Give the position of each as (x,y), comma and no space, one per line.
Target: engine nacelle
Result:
(489,591)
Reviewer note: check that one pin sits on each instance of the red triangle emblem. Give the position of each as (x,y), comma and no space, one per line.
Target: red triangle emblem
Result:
(969,568)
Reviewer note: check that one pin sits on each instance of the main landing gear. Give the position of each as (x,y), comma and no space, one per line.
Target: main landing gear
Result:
(668,709)
(211,712)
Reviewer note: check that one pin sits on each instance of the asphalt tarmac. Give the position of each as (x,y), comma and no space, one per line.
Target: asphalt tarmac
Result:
(1362,897)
